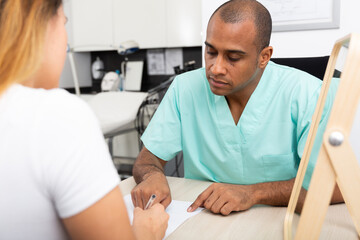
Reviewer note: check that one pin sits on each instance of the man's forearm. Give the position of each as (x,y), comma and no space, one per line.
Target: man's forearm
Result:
(148,172)
(146,164)
(278,194)
(273,193)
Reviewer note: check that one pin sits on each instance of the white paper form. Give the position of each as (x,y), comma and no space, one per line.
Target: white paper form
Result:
(156,61)
(177,211)
(173,58)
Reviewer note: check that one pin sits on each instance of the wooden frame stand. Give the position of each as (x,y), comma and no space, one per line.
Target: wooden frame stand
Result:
(337,163)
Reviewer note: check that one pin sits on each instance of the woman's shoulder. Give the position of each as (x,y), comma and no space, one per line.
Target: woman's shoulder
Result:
(45,96)
(55,105)
(60,99)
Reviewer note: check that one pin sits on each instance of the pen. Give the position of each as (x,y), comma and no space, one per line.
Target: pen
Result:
(150,202)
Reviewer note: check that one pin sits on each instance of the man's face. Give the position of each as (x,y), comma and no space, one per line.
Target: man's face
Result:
(231,56)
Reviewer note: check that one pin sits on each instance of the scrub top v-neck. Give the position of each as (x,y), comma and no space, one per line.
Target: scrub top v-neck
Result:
(265,145)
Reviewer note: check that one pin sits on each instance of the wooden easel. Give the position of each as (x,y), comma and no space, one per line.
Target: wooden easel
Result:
(336,161)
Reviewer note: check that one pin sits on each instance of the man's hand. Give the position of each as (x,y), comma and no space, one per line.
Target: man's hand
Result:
(225,198)
(154,183)
(148,172)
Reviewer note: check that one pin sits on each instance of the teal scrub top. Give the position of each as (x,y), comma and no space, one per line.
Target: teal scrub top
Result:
(266,144)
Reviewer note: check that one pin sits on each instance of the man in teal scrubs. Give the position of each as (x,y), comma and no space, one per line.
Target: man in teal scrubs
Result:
(242,122)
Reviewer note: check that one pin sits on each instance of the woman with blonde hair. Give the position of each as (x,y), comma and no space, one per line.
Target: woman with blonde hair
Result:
(57,179)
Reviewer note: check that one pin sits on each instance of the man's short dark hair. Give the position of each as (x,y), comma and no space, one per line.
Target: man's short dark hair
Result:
(236,11)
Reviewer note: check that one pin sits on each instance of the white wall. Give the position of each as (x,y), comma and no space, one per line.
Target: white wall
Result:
(303,43)
(83,67)
(82,60)
(354,135)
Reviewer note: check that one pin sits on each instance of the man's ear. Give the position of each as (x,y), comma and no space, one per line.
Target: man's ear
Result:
(264,56)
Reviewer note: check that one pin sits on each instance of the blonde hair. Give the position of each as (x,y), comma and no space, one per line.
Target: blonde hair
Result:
(23,25)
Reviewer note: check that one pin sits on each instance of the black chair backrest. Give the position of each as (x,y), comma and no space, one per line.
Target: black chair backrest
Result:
(315,66)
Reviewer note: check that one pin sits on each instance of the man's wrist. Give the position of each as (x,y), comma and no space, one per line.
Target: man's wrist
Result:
(156,172)
(258,194)
(273,193)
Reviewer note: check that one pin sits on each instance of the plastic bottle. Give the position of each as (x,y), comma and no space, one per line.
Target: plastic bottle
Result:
(98,69)
(121,81)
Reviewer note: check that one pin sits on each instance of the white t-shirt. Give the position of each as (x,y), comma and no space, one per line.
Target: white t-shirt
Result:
(53,162)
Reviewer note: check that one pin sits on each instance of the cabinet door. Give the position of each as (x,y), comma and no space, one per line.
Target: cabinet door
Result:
(140,20)
(92,24)
(183,20)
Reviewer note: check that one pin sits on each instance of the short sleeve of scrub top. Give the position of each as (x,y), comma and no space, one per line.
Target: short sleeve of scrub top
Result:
(163,134)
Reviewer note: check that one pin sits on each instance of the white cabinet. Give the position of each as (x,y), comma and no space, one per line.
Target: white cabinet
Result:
(183,20)
(103,25)
(91,24)
(141,20)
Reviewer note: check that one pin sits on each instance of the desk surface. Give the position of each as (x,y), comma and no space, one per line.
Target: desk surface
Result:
(259,222)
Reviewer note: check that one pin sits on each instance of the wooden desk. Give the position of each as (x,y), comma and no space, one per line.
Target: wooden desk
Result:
(259,222)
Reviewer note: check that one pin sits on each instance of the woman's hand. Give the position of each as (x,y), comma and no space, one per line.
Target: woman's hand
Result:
(150,224)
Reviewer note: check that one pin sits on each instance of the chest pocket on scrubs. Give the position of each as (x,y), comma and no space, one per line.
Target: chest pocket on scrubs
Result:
(279,167)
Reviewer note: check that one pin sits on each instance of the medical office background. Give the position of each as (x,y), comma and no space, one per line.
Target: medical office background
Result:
(95,28)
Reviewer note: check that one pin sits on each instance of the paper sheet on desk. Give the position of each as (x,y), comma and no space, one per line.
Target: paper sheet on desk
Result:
(176,210)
